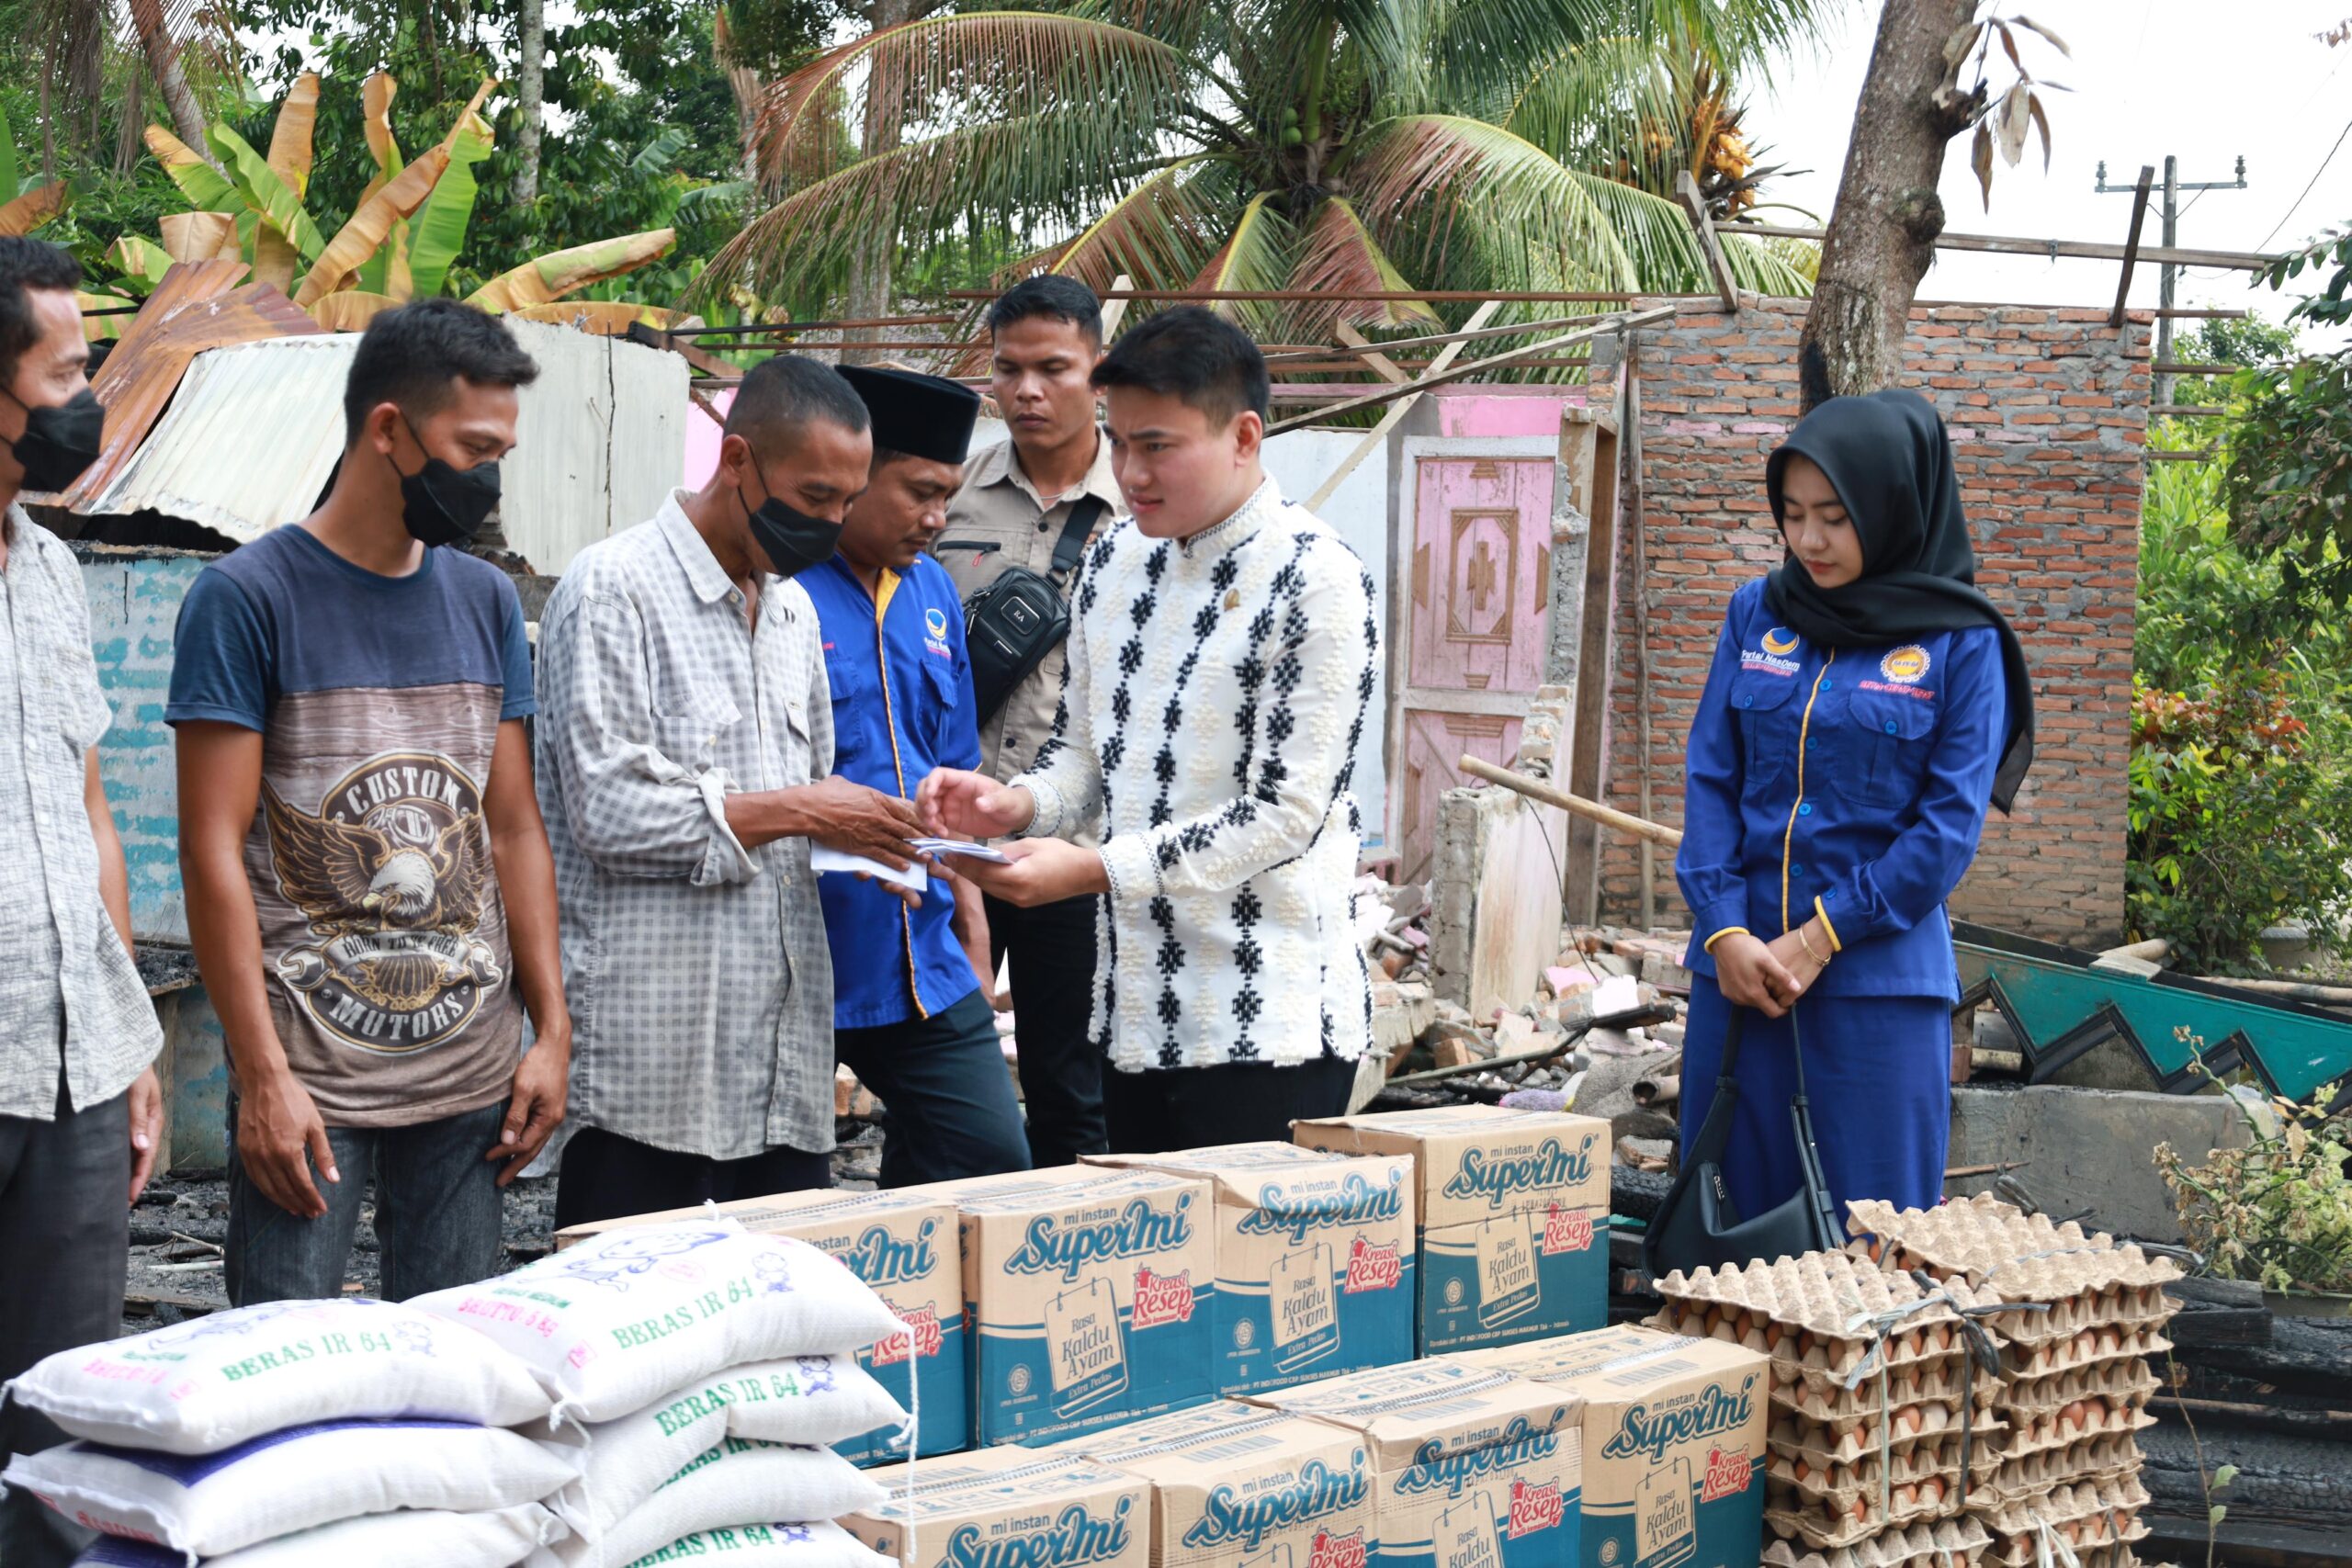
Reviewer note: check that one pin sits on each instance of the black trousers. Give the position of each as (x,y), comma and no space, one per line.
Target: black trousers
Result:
(607,1176)
(1051,952)
(65,1231)
(1239,1102)
(947,1105)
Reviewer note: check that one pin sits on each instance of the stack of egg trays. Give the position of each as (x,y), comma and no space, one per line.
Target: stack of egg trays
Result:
(1844,1465)
(1943,1543)
(2075,1380)
(2099,1519)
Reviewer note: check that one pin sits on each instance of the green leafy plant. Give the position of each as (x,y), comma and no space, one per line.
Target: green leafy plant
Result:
(2277,1212)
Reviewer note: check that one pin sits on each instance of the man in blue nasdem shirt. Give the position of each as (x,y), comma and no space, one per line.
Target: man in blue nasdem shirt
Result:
(912,1009)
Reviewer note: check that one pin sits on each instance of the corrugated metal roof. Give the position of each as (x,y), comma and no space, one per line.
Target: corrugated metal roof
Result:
(253,432)
(248,442)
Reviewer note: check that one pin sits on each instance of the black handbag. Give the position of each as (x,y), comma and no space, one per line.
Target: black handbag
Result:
(1013,622)
(1697,1225)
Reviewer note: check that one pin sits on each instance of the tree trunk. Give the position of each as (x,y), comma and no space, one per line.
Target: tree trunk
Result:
(164,62)
(1882,231)
(529,86)
(870,274)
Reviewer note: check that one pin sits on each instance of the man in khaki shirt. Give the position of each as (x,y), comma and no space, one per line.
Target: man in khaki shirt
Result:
(1046,334)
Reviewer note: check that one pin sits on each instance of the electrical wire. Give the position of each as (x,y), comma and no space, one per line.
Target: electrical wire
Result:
(2324,163)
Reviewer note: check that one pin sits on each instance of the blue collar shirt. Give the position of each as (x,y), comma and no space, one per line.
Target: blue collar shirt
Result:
(903,706)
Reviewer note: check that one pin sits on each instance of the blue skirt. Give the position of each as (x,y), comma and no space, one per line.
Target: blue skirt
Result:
(1877,1071)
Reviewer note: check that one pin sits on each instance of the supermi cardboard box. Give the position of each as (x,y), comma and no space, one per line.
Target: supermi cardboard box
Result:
(1012,1508)
(1470,1469)
(1314,1259)
(1236,1484)
(903,1246)
(1673,1443)
(1090,1294)
(1514,1211)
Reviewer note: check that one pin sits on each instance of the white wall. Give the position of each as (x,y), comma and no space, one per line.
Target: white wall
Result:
(1300,462)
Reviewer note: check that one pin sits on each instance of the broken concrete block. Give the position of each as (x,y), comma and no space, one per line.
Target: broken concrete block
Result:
(1658,969)
(852,1100)
(1458,1050)
(1607,964)
(1564,981)
(1514,1032)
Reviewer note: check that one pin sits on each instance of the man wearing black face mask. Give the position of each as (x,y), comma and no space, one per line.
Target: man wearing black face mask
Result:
(370,891)
(684,740)
(79,1105)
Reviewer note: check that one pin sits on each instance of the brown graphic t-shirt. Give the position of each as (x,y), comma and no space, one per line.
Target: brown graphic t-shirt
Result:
(379,701)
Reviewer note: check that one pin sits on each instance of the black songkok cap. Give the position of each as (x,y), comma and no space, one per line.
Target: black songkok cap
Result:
(923,416)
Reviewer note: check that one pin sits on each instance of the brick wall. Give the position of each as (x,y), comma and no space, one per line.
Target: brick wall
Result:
(2048,410)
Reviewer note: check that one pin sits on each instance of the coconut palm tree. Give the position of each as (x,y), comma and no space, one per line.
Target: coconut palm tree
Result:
(1307,145)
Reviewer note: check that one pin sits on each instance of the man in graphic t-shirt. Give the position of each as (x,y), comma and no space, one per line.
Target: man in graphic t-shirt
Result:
(370,893)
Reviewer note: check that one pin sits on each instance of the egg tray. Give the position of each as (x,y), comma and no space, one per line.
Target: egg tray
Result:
(1792,1518)
(2129,1384)
(2110,1456)
(1839,1484)
(1828,1403)
(1944,1543)
(1990,1243)
(2060,1353)
(2026,1436)
(1819,1295)
(1822,1444)
(2088,1515)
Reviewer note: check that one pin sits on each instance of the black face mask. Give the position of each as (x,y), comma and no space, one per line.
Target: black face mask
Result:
(792,541)
(442,505)
(60,441)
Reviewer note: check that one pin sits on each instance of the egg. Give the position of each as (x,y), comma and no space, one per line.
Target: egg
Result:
(2071,1416)
(2110,1343)
(1934,1417)
(1940,1336)
(2086,1345)
(1905,1499)
(1801,1469)
(1859,1512)
(1909,1419)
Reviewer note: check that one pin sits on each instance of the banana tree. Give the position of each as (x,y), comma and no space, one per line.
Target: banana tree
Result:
(26,203)
(1318,148)
(400,242)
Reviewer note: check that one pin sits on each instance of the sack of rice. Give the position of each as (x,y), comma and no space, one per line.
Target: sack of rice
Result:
(208,1385)
(614,1323)
(210,1505)
(618,1515)
(814,1545)
(810,1400)
(409,1538)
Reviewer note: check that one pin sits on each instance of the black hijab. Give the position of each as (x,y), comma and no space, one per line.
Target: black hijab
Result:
(1890,463)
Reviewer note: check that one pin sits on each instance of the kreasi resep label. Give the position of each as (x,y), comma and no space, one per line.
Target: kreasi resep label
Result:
(1673,1443)
(1314,1259)
(1468,1467)
(1012,1508)
(1090,1296)
(1513,1235)
(905,1247)
(1234,1483)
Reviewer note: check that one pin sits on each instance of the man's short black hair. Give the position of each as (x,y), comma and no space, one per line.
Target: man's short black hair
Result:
(409,354)
(786,392)
(26,265)
(1050,296)
(1194,355)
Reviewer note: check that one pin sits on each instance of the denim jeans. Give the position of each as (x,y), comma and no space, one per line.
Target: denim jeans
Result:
(65,1235)
(948,1109)
(438,1213)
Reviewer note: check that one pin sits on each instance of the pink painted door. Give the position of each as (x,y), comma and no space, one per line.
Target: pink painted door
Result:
(1478,580)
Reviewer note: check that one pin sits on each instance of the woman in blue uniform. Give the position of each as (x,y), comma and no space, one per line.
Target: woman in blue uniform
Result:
(1865,704)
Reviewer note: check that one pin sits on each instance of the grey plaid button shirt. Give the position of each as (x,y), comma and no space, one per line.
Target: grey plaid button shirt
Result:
(700,987)
(57,948)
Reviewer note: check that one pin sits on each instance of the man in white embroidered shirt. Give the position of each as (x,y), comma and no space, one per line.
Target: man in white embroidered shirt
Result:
(1219,677)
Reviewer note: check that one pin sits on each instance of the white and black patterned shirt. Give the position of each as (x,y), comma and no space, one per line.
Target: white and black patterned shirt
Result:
(700,986)
(1214,694)
(66,985)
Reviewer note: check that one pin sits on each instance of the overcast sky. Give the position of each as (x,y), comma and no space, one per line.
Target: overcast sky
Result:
(2207,82)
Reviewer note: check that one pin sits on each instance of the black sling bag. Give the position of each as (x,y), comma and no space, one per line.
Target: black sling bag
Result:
(1012,623)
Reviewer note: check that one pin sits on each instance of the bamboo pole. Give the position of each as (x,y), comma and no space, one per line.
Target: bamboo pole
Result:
(1590,810)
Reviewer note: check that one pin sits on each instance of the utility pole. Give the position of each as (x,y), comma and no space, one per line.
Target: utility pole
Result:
(2162,391)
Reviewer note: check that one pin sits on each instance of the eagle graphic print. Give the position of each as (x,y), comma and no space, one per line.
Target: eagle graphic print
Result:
(389,872)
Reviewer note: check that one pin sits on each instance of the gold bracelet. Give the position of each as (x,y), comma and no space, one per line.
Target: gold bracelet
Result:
(1819,961)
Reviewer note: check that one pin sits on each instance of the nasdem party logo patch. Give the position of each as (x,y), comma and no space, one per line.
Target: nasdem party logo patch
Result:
(1780,640)
(1904,666)
(934,621)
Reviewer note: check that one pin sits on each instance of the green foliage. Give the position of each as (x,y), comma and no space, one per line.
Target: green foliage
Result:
(2240,807)
(2289,480)
(2277,1212)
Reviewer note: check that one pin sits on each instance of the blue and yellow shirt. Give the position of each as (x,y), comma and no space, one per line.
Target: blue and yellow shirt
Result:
(1849,783)
(903,706)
